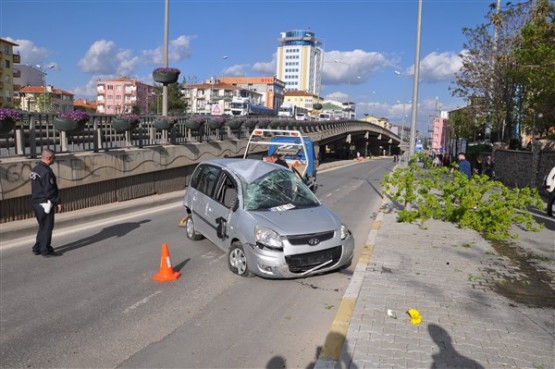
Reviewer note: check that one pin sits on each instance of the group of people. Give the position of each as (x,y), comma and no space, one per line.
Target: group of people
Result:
(480,167)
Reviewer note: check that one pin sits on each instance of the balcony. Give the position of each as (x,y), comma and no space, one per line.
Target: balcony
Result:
(16,73)
(16,58)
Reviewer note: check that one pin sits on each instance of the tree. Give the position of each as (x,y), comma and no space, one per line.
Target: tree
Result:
(535,71)
(176,103)
(477,203)
(488,63)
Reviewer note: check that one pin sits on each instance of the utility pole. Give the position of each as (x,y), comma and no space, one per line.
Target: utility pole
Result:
(166,32)
(412,143)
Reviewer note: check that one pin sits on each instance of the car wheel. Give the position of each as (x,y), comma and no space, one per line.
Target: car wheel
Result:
(192,234)
(237,260)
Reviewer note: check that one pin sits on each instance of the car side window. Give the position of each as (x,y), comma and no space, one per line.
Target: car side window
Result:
(207,179)
(227,193)
(196,176)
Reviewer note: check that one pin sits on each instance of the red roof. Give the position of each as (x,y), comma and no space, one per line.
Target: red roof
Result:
(41,90)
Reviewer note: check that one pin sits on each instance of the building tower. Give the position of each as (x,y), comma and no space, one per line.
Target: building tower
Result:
(299,61)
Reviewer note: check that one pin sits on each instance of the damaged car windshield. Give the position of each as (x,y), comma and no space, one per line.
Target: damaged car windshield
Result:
(277,191)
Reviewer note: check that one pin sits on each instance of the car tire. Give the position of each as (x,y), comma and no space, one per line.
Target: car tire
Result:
(192,234)
(237,260)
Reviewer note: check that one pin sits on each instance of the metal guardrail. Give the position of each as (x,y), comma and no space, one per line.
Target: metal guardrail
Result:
(36,132)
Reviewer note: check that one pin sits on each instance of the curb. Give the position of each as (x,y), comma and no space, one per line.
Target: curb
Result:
(335,340)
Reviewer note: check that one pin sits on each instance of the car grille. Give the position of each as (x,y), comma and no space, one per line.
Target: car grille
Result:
(304,238)
(302,262)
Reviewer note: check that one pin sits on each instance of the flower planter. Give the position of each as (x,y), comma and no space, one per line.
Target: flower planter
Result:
(275,123)
(285,123)
(263,123)
(194,125)
(165,78)
(235,123)
(250,123)
(162,124)
(69,125)
(6,125)
(122,125)
(215,124)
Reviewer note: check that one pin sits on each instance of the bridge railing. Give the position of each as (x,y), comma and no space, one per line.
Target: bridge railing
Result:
(36,132)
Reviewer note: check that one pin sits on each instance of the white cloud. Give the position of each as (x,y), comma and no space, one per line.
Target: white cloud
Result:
(178,49)
(439,67)
(89,90)
(352,67)
(268,68)
(236,70)
(102,57)
(30,53)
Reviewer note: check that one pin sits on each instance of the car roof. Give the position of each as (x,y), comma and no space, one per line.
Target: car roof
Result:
(248,169)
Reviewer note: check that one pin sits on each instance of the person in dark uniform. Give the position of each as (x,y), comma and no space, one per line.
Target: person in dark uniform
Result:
(276,158)
(46,200)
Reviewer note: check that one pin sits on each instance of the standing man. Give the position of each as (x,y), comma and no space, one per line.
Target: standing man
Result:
(550,188)
(488,167)
(464,165)
(46,200)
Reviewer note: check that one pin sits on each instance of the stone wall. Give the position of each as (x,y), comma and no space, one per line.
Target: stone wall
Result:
(521,168)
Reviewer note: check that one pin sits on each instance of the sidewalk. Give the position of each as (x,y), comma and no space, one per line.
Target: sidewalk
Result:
(482,305)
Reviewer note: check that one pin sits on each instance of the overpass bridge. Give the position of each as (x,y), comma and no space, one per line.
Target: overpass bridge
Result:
(98,165)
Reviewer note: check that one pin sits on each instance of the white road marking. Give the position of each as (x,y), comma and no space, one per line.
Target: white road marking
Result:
(141,302)
(30,240)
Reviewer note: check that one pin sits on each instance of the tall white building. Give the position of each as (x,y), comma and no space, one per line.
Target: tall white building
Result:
(299,61)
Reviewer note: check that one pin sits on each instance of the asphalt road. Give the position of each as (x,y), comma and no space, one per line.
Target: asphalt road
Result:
(98,307)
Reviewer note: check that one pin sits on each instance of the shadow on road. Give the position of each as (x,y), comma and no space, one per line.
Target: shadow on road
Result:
(116,230)
(448,357)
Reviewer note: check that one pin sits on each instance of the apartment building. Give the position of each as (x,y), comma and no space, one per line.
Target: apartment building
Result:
(123,95)
(299,61)
(212,97)
(271,88)
(440,132)
(7,73)
(45,99)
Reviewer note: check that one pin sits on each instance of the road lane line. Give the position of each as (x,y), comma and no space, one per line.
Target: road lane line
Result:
(59,232)
(141,302)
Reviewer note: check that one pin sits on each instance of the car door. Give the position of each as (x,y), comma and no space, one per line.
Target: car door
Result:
(201,197)
(220,210)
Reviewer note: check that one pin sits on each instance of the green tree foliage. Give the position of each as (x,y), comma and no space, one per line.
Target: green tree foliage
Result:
(491,64)
(176,103)
(478,203)
(535,71)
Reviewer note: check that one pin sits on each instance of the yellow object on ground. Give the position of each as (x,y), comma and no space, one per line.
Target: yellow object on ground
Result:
(415,317)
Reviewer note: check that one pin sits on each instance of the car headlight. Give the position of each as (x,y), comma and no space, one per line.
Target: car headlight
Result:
(344,232)
(265,237)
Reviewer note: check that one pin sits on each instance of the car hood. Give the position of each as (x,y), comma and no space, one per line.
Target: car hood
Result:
(298,221)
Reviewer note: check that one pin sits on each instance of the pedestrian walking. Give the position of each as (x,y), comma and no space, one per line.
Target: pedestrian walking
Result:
(478,166)
(550,188)
(46,200)
(464,165)
(488,167)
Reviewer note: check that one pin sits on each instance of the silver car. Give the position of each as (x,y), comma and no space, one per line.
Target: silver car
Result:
(266,219)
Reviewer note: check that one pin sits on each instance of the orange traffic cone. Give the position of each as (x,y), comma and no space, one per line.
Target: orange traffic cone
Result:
(166,272)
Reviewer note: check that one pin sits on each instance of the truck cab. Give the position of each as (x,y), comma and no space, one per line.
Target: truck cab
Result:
(297,150)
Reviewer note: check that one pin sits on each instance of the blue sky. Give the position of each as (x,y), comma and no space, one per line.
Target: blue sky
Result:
(91,40)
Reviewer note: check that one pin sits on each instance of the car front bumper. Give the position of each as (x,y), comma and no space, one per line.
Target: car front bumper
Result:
(275,264)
